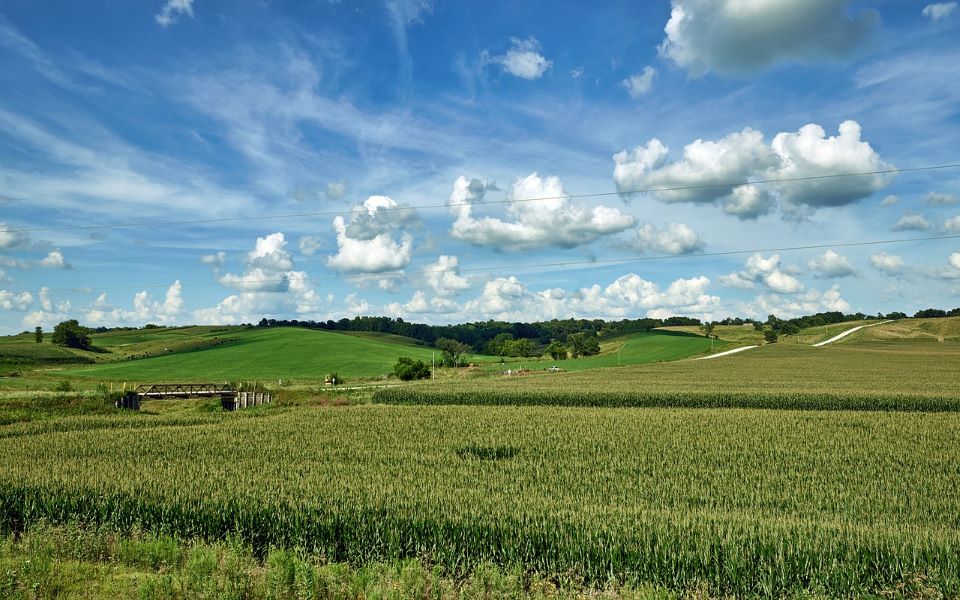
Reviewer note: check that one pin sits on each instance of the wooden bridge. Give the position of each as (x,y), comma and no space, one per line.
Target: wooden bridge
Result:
(230,399)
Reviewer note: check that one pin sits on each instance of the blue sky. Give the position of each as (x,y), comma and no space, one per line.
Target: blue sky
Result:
(408,138)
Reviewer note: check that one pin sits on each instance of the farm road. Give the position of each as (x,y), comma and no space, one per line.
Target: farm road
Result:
(844,334)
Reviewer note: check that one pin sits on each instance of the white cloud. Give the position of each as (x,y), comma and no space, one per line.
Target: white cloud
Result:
(765,271)
(810,302)
(214,260)
(738,36)
(19,301)
(952,225)
(11,238)
(171,9)
(309,245)
(911,223)
(638,85)
(375,255)
(55,260)
(443,276)
(831,265)
(269,285)
(888,263)
(149,310)
(336,190)
(419,305)
(523,59)
(939,10)
(380,214)
(550,221)
(674,238)
(955,260)
(710,170)
(941,199)
(889,200)
(748,202)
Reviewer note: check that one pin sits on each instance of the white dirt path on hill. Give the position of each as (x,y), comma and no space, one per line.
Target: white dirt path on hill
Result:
(844,334)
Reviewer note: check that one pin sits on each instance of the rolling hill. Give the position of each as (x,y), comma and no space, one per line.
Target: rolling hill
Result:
(277,353)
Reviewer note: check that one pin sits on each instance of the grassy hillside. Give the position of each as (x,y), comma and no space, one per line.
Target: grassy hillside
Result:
(281,353)
(920,375)
(643,348)
(912,330)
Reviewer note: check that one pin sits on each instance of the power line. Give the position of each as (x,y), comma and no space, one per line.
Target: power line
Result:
(488,202)
(575,263)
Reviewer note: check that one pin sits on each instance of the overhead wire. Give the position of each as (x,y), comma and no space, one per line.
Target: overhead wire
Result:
(651,190)
(542,265)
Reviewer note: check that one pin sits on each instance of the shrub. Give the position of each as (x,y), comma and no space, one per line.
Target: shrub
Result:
(408,369)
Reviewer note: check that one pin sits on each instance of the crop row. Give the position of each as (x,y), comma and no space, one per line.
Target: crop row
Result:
(747,502)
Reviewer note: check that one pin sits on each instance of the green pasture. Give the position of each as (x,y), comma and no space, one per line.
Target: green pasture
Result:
(267,354)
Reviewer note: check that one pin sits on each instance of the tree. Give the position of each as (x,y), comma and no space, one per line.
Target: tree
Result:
(707,328)
(452,350)
(557,351)
(770,336)
(408,369)
(583,344)
(38,334)
(71,334)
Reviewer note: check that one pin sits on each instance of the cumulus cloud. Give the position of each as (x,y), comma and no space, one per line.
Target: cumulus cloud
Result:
(380,214)
(939,10)
(55,260)
(366,244)
(764,271)
(214,260)
(550,221)
(952,225)
(709,171)
(941,199)
(831,265)
(10,237)
(18,301)
(810,302)
(376,255)
(523,59)
(638,85)
(309,245)
(889,200)
(674,238)
(171,10)
(443,276)
(955,260)
(269,285)
(911,223)
(737,36)
(890,264)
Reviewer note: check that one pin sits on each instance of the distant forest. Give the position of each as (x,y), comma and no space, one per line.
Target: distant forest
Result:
(480,333)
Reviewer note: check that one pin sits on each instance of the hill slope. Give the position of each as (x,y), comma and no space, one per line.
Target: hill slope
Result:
(280,353)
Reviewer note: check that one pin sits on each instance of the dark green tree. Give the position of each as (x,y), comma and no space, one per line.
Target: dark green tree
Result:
(408,369)
(452,350)
(557,351)
(38,335)
(770,336)
(583,344)
(71,334)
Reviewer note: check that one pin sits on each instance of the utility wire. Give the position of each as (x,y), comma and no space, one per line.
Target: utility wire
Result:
(487,202)
(575,263)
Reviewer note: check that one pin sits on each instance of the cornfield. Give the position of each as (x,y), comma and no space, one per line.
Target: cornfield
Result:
(742,501)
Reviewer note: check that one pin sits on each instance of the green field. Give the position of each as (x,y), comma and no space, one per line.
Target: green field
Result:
(781,471)
(268,354)
(744,502)
(861,375)
(642,348)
